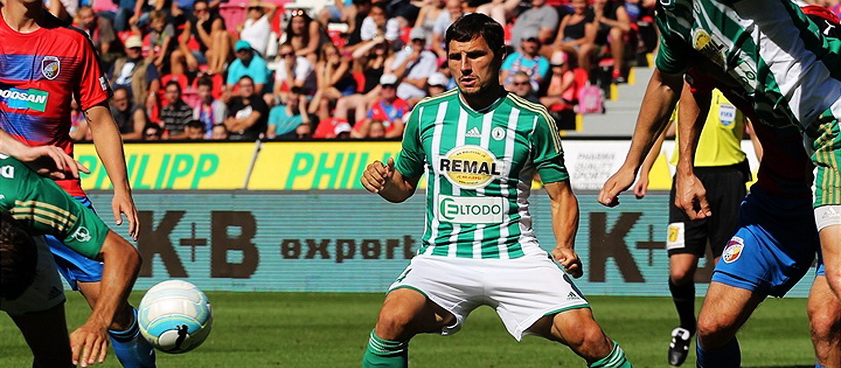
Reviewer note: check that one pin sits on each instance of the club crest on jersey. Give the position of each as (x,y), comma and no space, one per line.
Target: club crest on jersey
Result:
(733,250)
(470,167)
(50,67)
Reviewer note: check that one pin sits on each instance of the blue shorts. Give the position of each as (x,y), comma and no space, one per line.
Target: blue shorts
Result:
(72,265)
(774,246)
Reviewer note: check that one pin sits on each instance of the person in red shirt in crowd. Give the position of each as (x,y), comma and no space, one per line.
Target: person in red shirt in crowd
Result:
(388,110)
(47,64)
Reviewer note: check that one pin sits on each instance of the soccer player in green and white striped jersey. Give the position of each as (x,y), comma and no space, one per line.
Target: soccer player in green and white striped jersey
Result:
(480,148)
(771,54)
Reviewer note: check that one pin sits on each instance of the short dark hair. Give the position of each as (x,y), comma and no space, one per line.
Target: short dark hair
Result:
(195,124)
(205,81)
(153,126)
(245,77)
(173,83)
(474,25)
(18,258)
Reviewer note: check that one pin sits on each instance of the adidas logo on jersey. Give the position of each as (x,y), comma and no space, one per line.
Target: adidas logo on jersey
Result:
(473,133)
(572,296)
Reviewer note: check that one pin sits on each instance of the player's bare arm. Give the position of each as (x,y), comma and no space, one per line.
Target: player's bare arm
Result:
(690,194)
(89,342)
(389,183)
(48,160)
(109,147)
(659,101)
(565,226)
(641,187)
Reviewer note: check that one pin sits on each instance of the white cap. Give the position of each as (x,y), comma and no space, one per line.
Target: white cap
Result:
(438,79)
(417,33)
(133,41)
(388,79)
(342,127)
(558,58)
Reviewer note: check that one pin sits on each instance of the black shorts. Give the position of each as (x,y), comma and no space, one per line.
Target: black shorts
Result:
(726,189)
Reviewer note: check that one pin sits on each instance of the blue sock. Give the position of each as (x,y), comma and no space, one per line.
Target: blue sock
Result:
(818,365)
(131,349)
(727,356)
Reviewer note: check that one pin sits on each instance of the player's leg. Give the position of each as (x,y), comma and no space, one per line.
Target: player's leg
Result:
(825,322)
(831,250)
(84,275)
(408,310)
(46,334)
(578,329)
(725,310)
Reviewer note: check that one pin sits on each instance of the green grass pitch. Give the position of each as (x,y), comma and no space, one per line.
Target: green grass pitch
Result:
(331,330)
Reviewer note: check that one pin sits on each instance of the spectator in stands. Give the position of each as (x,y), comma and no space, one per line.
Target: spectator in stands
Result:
(209,111)
(527,60)
(334,80)
(219,132)
(304,35)
(560,93)
(207,30)
(175,115)
(130,118)
(428,16)
(354,33)
(78,125)
(413,65)
(248,64)
(338,12)
(369,59)
(257,26)
(378,24)
(101,32)
(292,71)
(576,35)
(376,130)
(247,112)
(161,40)
(152,132)
(290,120)
(194,130)
(612,25)
(332,128)
(438,83)
(388,111)
(541,20)
(499,10)
(521,85)
(137,74)
(452,11)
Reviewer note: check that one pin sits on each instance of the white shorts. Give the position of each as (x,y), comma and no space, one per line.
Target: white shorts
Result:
(46,290)
(521,290)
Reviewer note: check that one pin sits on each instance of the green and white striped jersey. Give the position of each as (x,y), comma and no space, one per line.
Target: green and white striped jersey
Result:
(784,65)
(479,168)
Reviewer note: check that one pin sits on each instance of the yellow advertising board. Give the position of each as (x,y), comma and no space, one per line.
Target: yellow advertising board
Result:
(316,165)
(173,165)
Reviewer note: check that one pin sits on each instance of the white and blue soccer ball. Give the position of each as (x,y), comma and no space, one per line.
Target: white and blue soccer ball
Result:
(175,316)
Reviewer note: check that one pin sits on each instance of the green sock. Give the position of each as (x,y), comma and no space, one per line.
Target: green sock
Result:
(385,354)
(616,359)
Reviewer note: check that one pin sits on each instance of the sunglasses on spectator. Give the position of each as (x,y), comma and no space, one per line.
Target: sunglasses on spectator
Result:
(285,54)
(532,39)
(389,86)
(521,83)
(556,65)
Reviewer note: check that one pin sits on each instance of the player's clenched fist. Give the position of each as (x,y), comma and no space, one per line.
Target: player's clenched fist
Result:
(569,260)
(377,175)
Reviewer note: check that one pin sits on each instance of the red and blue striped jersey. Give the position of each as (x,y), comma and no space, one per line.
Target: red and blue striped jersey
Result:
(40,72)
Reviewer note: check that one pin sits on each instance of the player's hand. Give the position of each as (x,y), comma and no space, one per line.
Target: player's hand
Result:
(569,259)
(377,175)
(641,187)
(49,161)
(123,204)
(89,344)
(691,197)
(616,184)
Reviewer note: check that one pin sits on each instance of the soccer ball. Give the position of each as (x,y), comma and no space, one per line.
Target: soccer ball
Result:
(175,316)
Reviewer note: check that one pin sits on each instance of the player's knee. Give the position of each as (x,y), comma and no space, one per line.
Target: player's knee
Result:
(393,325)
(824,325)
(681,276)
(714,330)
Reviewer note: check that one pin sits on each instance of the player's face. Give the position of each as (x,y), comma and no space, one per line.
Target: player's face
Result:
(474,66)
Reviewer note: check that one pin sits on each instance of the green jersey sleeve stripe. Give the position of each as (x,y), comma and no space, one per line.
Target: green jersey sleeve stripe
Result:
(46,206)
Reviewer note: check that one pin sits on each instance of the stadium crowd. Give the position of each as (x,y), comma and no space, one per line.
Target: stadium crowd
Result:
(199,69)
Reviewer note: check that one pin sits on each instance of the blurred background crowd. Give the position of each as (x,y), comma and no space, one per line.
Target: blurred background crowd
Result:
(341,69)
